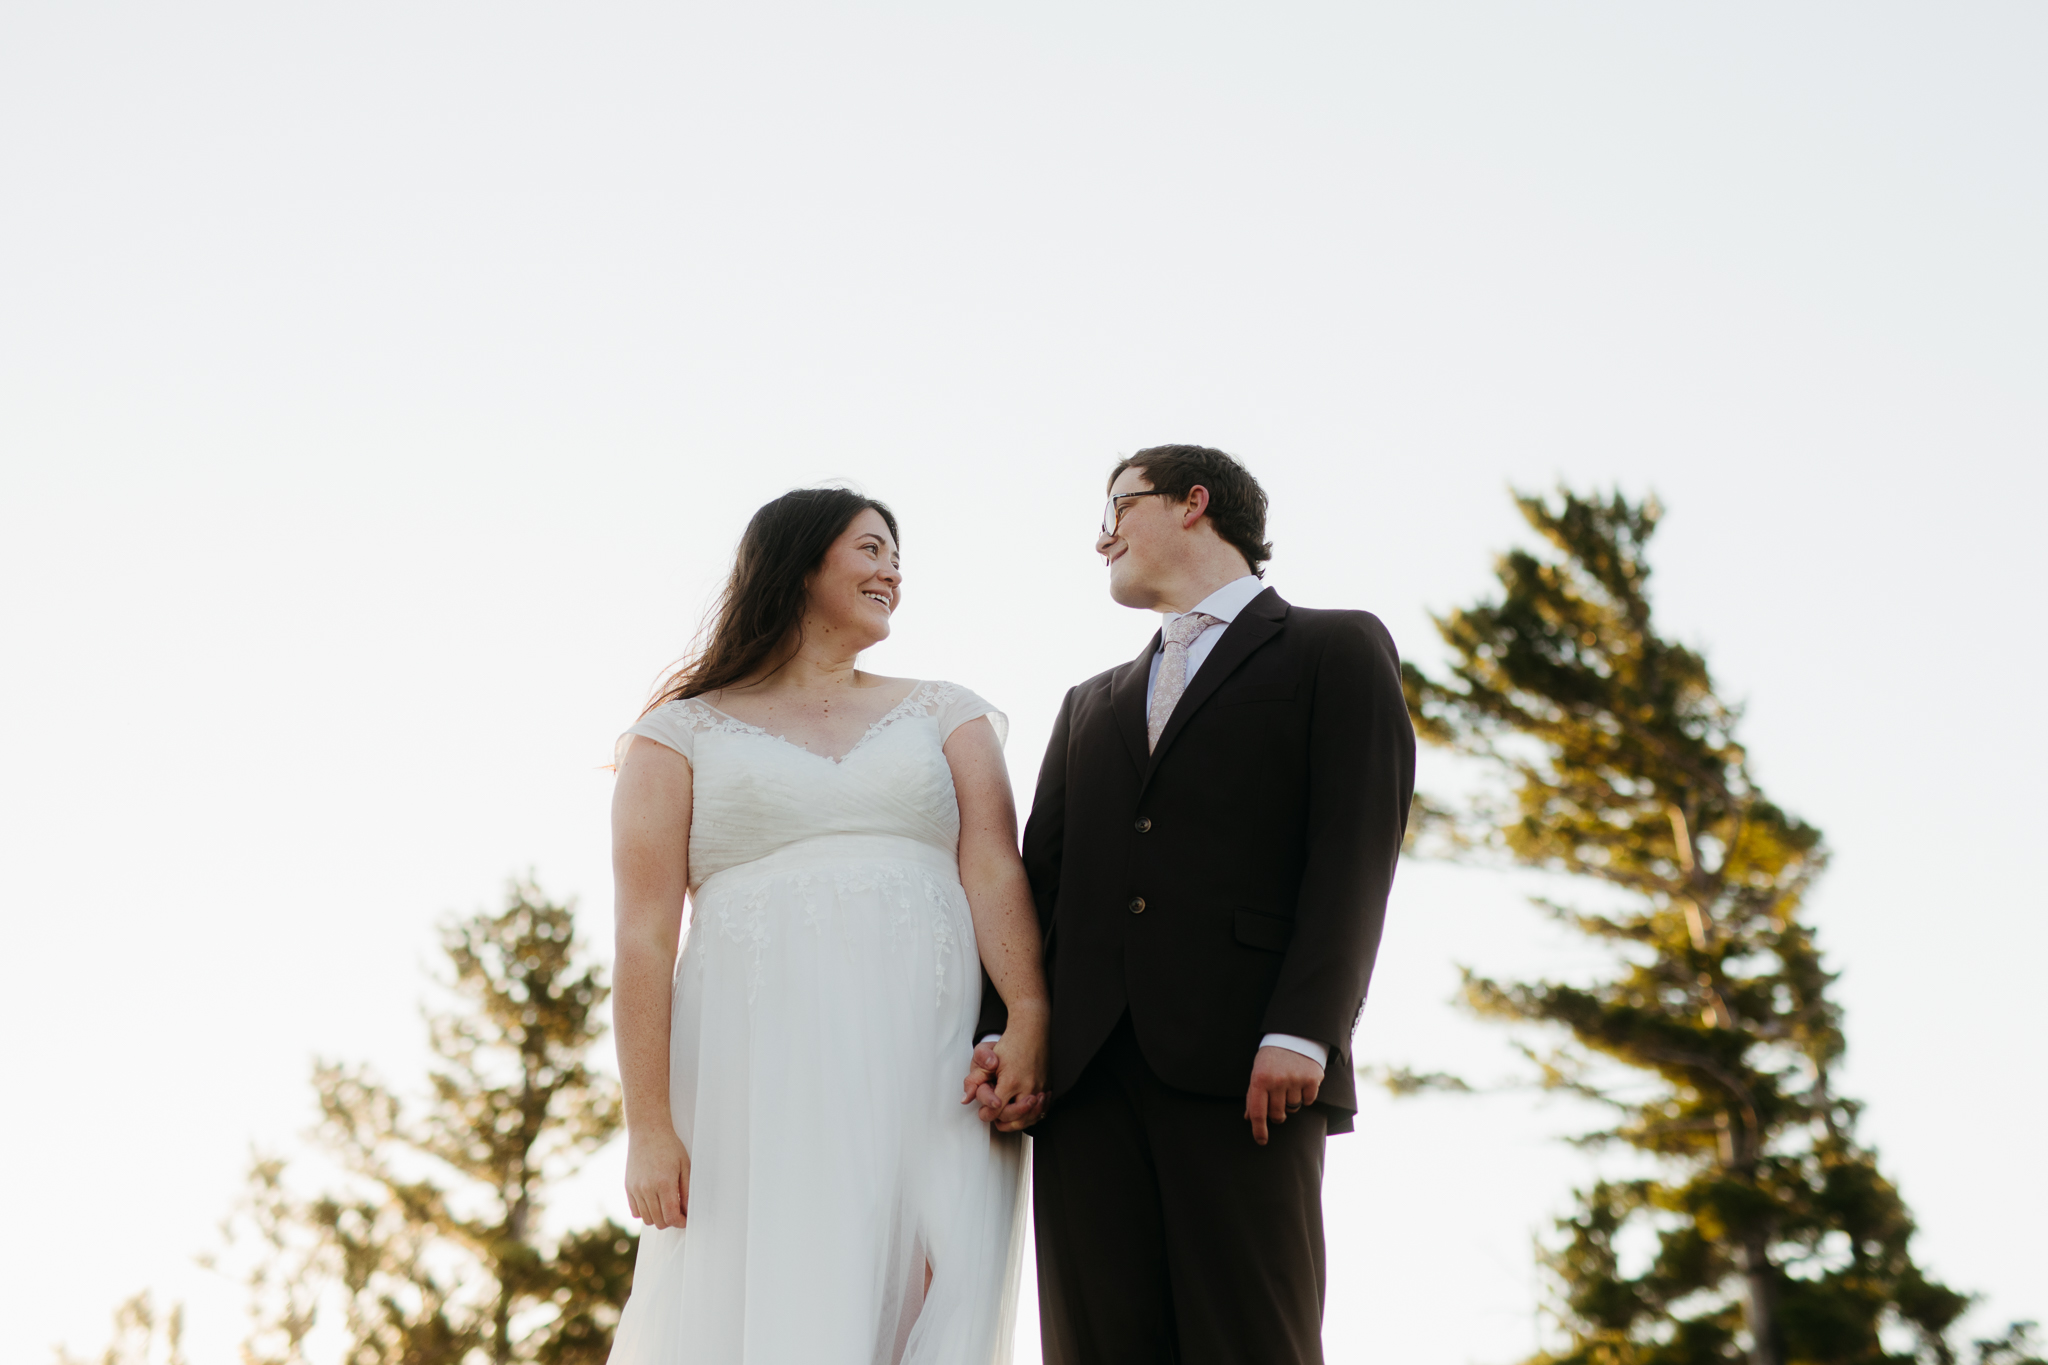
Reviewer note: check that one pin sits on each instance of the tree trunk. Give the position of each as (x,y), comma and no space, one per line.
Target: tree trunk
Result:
(1763,1300)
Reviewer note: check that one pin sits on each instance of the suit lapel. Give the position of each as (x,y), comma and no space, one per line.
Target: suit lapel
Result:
(1257,623)
(1127,702)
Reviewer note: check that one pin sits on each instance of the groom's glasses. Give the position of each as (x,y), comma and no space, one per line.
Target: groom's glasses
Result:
(1113,510)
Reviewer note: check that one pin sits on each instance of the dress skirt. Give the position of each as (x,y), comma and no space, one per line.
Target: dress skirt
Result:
(824,1008)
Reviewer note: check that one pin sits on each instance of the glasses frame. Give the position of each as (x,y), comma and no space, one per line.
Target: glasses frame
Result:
(1113,510)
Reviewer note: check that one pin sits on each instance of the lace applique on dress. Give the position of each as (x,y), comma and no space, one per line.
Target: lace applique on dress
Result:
(695,716)
(677,725)
(759,799)
(942,935)
(700,717)
(746,917)
(922,700)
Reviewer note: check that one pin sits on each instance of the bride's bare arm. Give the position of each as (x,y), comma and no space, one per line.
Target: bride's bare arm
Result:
(1005,921)
(651,876)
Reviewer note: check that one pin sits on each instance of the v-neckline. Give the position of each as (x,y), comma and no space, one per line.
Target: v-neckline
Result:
(880,723)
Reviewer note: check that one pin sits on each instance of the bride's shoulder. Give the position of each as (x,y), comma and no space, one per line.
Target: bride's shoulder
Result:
(954,705)
(675,724)
(936,692)
(694,714)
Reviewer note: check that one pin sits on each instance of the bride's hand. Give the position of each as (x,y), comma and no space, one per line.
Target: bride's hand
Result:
(658,1178)
(981,1077)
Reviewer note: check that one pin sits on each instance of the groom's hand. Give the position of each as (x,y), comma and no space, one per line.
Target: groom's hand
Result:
(980,1086)
(1282,1082)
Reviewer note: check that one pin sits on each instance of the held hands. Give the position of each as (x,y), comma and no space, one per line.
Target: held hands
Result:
(1008,1078)
(658,1178)
(1282,1082)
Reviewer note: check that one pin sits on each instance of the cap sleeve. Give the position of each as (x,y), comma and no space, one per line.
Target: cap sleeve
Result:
(668,725)
(957,706)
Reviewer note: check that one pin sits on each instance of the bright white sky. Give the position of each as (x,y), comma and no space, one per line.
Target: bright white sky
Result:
(382,388)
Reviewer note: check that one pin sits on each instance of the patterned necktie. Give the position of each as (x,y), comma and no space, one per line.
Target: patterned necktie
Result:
(1173,672)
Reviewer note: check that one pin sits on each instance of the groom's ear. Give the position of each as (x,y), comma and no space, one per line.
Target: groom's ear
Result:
(1195,508)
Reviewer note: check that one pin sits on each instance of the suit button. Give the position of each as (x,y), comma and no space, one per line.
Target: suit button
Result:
(1144,825)
(1137,905)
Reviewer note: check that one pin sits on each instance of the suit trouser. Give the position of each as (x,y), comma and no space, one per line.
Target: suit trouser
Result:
(1166,1236)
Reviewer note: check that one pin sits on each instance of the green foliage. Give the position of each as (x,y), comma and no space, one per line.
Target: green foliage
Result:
(1768,1233)
(140,1337)
(433,1245)
(2016,1347)
(1401,1081)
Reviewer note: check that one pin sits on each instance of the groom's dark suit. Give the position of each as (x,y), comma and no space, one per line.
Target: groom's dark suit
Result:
(1229,884)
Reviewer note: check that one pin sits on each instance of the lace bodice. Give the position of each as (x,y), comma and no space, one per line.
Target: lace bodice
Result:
(754,793)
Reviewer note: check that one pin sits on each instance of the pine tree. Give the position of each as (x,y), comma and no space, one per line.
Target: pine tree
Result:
(141,1337)
(1761,1228)
(434,1245)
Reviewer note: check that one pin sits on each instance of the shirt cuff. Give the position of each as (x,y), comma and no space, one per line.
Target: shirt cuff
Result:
(1315,1052)
(991,1038)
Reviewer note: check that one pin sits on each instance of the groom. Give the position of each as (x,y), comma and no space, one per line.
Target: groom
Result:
(1211,846)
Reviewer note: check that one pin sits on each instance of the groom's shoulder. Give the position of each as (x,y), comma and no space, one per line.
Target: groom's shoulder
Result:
(1335,621)
(1092,694)
(1344,628)
(1098,685)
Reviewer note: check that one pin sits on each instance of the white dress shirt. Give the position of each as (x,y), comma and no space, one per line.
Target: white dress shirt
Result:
(1224,604)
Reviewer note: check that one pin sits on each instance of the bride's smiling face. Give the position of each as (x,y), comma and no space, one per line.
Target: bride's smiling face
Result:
(855,590)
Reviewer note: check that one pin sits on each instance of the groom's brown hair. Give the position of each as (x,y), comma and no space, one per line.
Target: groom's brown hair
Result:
(1237,505)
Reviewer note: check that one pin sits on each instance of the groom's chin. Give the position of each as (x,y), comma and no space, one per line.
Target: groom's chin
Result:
(1127,589)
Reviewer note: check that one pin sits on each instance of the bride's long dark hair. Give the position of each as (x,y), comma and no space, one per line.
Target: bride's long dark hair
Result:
(756,625)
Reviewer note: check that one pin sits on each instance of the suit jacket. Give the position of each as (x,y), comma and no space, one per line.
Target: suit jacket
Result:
(1233,882)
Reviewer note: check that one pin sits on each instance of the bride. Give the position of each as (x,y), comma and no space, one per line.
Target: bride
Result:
(815,1187)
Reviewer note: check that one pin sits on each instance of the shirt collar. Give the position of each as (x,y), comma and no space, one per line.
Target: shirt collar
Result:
(1225,603)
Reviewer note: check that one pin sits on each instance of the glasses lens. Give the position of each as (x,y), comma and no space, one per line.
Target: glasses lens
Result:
(1109,517)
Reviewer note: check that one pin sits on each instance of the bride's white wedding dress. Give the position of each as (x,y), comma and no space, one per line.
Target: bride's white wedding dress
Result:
(824,1008)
